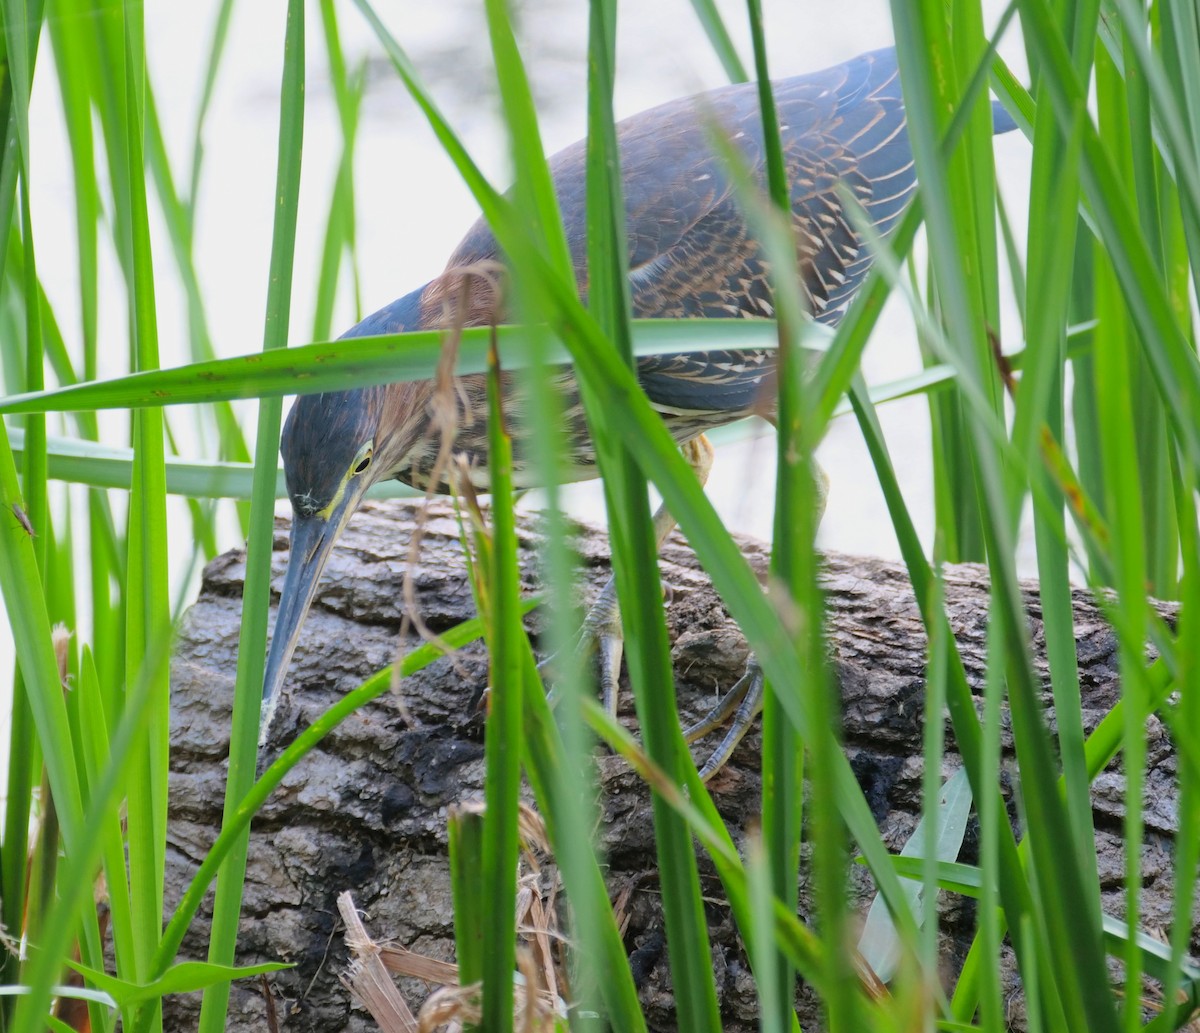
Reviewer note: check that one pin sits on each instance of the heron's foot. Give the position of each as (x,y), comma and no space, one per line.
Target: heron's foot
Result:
(603,635)
(744,702)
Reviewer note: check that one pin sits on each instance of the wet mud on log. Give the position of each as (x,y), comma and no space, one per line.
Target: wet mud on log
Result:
(366,811)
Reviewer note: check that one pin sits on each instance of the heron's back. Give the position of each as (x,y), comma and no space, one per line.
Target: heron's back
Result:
(692,251)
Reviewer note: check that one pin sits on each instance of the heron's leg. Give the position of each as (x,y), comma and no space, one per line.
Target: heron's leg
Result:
(699,455)
(602,625)
(602,629)
(744,700)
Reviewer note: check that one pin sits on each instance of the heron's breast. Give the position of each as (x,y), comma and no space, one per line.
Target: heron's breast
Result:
(434,462)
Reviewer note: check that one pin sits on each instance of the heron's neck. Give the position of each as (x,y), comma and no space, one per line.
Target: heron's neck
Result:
(401,315)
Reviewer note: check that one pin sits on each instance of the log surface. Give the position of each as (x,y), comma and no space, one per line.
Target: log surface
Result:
(366,811)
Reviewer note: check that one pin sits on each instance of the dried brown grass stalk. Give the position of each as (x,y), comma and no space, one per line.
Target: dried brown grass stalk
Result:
(367,978)
(539,985)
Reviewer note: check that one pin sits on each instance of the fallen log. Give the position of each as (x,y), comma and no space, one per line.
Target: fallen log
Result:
(366,811)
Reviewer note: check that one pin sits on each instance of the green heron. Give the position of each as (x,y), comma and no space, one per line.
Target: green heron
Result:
(692,253)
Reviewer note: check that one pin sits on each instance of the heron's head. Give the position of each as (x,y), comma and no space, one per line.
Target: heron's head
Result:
(335,446)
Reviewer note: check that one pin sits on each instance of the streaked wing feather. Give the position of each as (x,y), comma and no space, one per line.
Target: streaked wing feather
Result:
(700,382)
(691,251)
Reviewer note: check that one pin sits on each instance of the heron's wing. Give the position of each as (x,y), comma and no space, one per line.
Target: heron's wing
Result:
(692,251)
(843,126)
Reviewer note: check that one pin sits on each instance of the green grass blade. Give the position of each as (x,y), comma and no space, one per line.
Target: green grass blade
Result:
(1157,959)
(186,977)
(1123,508)
(937,836)
(540,419)
(763,953)
(502,743)
(1039,406)
(568,810)
(634,549)
(339,227)
(465,831)
(71,64)
(934,748)
(793,568)
(713,24)
(30,887)
(1188,839)
(339,365)
(94,740)
(232,443)
(81,461)
(215,51)
(243,748)
(147,628)
(19,786)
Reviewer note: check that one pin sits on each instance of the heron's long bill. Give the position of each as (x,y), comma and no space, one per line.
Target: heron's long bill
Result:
(312,541)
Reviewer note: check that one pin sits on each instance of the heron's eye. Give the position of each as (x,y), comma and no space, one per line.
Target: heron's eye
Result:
(363,463)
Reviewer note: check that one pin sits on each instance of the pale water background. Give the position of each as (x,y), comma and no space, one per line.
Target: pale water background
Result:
(413,209)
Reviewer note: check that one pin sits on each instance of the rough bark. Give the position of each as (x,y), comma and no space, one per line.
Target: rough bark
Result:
(366,811)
